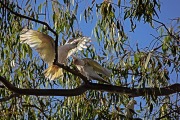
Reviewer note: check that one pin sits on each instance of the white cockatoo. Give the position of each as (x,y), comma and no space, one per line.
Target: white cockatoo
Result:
(89,68)
(129,110)
(45,46)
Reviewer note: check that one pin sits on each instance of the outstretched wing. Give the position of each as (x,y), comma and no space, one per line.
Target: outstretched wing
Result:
(97,67)
(44,44)
(80,44)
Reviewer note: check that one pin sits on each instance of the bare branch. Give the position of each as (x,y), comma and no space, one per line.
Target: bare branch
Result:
(38,21)
(44,92)
(87,85)
(74,72)
(41,110)
(56,42)
(134,92)
(165,28)
(2,86)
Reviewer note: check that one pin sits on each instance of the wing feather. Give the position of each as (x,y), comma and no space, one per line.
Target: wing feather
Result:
(44,44)
(97,67)
(81,43)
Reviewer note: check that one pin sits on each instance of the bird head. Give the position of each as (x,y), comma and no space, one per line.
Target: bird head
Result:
(134,102)
(77,61)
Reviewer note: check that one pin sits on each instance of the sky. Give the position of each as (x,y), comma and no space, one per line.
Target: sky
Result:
(141,35)
(169,9)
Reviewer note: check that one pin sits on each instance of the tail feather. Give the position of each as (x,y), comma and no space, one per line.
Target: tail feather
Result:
(95,76)
(53,72)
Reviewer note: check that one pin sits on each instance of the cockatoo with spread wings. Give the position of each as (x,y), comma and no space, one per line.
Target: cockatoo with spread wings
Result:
(129,110)
(45,46)
(89,68)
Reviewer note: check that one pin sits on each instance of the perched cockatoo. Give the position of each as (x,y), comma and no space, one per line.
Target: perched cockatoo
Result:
(129,110)
(45,46)
(89,68)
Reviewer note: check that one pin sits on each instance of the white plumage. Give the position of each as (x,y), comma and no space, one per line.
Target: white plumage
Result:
(89,68)
(45,46)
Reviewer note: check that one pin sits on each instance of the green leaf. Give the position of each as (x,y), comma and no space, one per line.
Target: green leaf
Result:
(147,60)
(119,3)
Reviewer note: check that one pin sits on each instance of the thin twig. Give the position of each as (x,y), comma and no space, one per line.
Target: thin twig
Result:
(38,21)
(9,97)
(165,28)
(56,43)
(29,105)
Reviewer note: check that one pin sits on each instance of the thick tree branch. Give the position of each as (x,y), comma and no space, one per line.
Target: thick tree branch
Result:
(38,21)
(2,86)
(87,86)
(44,92)
(135,92)
(56,42)
(74,72)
